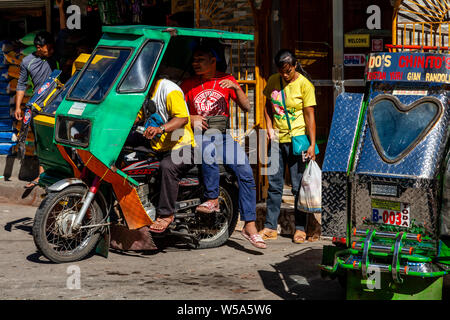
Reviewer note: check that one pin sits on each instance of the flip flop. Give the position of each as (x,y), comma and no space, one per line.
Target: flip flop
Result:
(255,239)
(299,237)
(31,185)
(313,238)
(208,207)
(163,224)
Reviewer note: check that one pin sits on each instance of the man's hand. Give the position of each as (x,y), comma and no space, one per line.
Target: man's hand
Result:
(151,132)
(228,84)
(60,3)
(199,122)
(18,114)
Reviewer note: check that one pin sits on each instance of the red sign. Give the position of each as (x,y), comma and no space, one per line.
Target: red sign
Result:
(407,66)
(377,44)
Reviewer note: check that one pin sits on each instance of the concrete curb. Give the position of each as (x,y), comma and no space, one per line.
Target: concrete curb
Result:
(15,176)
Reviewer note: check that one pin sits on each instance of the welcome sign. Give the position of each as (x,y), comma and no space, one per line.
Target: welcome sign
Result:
(407,66)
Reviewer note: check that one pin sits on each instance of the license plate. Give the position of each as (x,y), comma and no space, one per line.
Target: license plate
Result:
(391,213)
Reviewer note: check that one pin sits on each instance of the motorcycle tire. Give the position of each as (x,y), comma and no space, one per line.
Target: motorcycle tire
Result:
(228,193)
(44,235)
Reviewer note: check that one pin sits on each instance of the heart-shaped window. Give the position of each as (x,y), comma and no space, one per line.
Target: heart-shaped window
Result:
(397,128)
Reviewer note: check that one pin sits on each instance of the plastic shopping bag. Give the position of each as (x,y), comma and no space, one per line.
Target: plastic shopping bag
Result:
(310,197)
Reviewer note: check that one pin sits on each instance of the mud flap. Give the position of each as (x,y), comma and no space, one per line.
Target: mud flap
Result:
(124,239)
(103,245)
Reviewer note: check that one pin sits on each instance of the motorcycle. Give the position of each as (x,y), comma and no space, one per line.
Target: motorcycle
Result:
(109,198)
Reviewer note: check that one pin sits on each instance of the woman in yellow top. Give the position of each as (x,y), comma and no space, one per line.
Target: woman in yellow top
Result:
(300,101)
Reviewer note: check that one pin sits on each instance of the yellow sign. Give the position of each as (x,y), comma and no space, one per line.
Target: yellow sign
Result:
(385,204)
(357,40)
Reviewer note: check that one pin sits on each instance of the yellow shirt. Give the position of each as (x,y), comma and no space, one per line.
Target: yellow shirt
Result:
(170,103)
(299,94)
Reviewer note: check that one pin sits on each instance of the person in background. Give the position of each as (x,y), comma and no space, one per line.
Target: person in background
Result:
(38,66)
(299,96)
(208,94)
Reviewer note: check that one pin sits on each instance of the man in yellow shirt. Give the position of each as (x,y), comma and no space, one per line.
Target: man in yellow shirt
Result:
(173,141)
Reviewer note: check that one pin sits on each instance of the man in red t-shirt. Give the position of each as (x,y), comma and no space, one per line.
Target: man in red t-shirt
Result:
(208,94)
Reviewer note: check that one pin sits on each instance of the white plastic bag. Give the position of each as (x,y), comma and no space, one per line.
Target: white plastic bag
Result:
(310,197)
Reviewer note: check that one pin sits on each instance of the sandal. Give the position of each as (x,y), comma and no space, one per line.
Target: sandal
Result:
(314,238)
(299,237)
(267,234)
(255,239)
(208,207)
(31,184)
(161,224)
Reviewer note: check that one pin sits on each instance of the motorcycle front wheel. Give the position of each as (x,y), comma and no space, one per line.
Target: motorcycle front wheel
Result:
(52,228)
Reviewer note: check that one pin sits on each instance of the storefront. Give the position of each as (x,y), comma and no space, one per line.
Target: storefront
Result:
(83,20)
(331,38)
(333,45)
(18,17)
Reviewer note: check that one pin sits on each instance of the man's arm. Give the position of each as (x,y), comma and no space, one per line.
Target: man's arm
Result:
(241,97)
(62,16)
(172,125)
(20,90)
(19,99)
(178,114)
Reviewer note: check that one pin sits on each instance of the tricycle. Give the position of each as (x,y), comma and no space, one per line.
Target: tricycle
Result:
(386,177)
(100,191)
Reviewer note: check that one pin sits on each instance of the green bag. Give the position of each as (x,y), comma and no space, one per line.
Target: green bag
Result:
(301,142)
(28,50)
(28,39)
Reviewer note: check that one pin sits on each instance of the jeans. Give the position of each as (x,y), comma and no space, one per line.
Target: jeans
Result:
(171,174)
(282,152)
(223,149)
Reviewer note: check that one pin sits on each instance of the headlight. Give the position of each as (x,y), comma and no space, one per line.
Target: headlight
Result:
(71,131)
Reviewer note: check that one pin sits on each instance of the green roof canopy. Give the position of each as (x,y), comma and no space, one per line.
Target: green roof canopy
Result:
(140,30)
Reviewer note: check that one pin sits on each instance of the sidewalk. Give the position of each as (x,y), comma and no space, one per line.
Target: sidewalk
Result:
(15,177)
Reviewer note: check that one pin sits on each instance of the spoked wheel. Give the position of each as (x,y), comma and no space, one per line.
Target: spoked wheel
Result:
(213,230)
(52,229)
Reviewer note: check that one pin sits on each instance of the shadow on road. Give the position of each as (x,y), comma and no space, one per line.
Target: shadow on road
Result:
(25,224)
(36,258)
(298,278)
(233,244)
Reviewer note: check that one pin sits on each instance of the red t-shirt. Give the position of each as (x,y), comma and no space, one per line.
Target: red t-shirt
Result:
(208,98)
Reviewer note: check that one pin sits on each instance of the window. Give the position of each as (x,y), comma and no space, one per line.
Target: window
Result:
(58,96)
(137,78)
(99,76)
(396,128)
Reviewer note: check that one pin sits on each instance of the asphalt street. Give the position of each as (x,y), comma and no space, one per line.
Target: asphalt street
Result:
(235,271)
